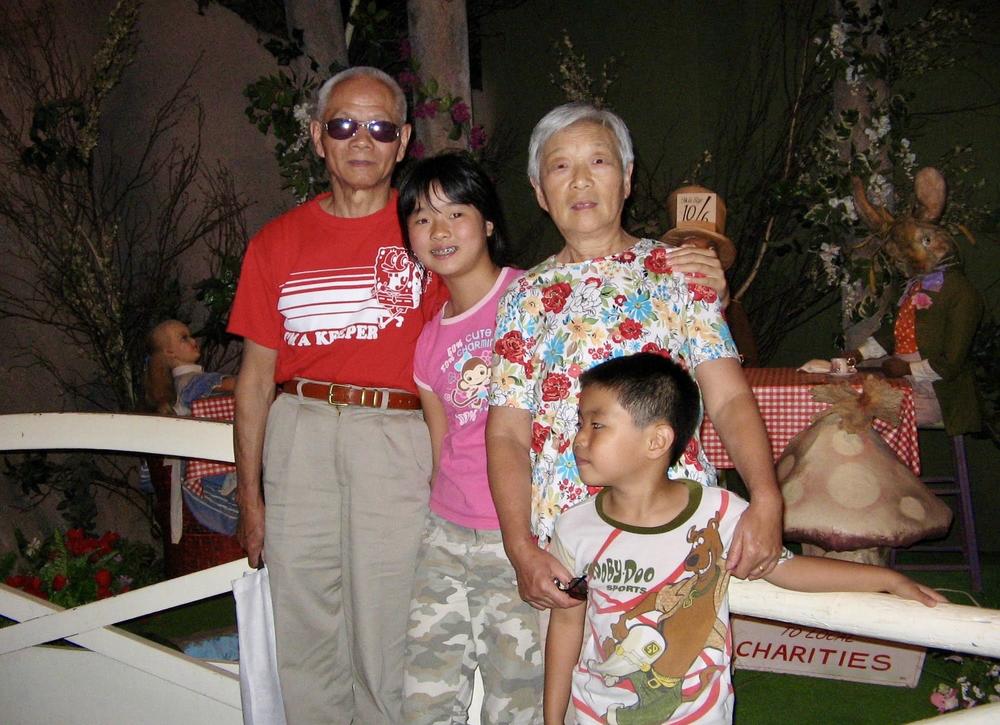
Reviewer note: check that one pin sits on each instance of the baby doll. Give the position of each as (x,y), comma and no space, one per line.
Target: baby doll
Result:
(173,378)
(173,381)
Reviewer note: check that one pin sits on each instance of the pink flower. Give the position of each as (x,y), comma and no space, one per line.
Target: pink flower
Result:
(944,698)
(417,150)
(408,80)
(921,300)
(477,138)
(427,109)
(460,112)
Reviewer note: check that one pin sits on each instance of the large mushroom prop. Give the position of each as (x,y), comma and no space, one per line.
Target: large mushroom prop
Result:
(847,495)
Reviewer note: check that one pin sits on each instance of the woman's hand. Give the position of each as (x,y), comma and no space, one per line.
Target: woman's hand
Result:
(756,543)
(537,571)
(701,266)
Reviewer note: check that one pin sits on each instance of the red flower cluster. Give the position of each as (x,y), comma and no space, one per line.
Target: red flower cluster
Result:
(539,433)
(72,568)
(656,350)
(29,584)
(510,347)
(555,295)
(657,261)
(555,387)
(630,329)
(703,292)
(78,544)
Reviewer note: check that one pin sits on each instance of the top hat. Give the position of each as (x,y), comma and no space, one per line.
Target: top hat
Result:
(699,212)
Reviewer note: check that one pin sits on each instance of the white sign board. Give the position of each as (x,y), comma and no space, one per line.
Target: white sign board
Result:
(760,644)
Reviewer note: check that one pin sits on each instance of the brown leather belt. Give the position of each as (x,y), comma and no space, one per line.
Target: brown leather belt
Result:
(339,395)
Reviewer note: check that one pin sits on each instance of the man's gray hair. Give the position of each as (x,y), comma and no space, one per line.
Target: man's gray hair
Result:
(326,90)
(566,115)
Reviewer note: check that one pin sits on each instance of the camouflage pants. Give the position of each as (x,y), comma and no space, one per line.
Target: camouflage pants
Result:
(465,614)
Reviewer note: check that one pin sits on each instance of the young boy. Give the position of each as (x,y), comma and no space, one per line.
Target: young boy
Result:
(651,551)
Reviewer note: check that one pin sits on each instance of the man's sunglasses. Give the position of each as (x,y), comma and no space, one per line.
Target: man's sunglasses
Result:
(344,128)
(576,588)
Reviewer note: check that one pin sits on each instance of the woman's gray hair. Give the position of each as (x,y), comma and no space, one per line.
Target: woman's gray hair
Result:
(566,115)
(326,90)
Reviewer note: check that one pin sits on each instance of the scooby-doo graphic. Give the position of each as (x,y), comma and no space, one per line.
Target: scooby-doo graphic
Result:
(654,644)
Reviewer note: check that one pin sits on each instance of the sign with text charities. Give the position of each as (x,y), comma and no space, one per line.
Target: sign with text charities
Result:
(760,644)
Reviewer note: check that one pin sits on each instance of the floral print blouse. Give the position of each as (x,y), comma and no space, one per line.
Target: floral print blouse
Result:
(558,320)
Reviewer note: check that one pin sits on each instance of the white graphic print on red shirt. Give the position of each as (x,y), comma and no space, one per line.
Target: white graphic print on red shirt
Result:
(324,305)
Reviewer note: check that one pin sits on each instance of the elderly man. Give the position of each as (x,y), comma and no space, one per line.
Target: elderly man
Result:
(330,307)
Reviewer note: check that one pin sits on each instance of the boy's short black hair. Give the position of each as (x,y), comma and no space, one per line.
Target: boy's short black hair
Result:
(464,181)
(652,388)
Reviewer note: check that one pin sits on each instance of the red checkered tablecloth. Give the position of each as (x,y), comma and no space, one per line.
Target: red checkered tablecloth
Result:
(215,407)
(787,407)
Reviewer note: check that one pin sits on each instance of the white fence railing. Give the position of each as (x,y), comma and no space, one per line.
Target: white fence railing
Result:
(118,677)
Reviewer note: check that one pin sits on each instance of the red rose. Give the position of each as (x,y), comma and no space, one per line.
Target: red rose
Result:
(630,330)
(33,586)
(656,350)
(103,578)
(555,387)
(510,346)
(554,296)
(17,581)
(539,433)
(106,543)
(626,256)
(657,261)
(703,292)
(103,592)
(58,583)
(619,300)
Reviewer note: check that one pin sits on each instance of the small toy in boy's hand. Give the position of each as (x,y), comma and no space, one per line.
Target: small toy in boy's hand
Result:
(576,587)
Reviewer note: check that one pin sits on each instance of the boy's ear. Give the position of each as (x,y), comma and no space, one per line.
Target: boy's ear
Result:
(661,438)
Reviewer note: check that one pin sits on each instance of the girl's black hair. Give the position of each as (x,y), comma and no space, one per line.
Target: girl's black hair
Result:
(462,180)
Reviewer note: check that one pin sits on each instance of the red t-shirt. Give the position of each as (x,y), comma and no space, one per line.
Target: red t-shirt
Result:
(338,298)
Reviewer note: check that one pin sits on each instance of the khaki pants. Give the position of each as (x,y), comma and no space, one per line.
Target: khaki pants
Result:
(346,491)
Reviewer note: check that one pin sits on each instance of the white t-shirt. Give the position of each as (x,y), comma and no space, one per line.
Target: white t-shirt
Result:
(657,645)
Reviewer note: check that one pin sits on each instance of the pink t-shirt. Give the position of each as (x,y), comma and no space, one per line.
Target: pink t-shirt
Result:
(453,360)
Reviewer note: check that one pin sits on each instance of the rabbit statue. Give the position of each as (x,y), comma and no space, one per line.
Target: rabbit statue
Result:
(938,312)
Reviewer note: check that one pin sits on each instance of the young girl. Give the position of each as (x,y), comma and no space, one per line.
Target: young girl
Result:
(173,378)
(466,612)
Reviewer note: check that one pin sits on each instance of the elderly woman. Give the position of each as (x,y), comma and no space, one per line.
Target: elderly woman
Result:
(605,294)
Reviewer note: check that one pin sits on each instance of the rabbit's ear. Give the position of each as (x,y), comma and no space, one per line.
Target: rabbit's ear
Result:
(876,217)
(932,192)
